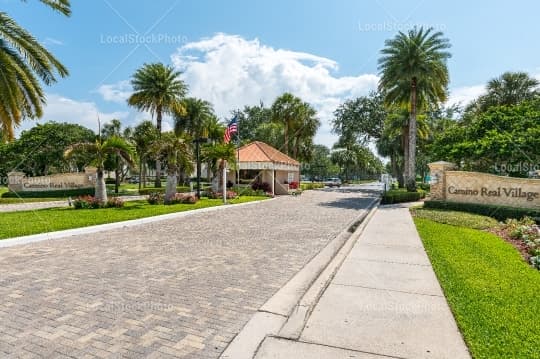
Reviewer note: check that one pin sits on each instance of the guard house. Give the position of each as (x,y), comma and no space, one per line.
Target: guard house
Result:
(262,162)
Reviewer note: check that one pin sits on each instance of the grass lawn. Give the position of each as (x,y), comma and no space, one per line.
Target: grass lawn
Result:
(455,218)
(493,292)
(14,224)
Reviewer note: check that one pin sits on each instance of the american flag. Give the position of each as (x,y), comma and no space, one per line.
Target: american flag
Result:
(231,129)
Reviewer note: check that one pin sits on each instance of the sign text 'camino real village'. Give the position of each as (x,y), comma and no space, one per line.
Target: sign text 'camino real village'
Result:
(450,185)
(512,192)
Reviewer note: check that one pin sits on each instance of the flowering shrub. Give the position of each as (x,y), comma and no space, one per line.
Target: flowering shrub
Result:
(87,202)
(90,202)
(219,195)
(115,202)
(263,186)
(184,198)
(528,232)
(155,198)
(293,185)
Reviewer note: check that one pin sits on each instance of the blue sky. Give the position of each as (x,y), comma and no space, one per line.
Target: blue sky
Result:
(240,52)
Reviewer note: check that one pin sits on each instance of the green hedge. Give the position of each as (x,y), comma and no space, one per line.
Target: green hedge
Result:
(308,186)
(179,189)
(500,213)
(51,194)
(400,196)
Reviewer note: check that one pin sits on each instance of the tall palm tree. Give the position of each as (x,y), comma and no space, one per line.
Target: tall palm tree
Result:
(194,118)
(305,127)
(218,155)
(158,89)
(23,63)
(413,74)
(287,109)
(142,136)
(175,151)
(99,151)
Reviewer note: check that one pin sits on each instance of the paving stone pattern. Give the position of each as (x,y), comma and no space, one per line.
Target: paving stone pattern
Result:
(180,288)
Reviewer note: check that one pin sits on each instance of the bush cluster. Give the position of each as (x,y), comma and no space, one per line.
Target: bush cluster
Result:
(399,196)
(500,213)
(308,186)
(219,195)
(263,186)
(186,198)
(91,202)
(527,231)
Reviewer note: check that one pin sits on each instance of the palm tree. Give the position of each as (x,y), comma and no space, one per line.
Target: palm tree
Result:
(414,74)
(99,151)
(158,89)
(142,136)
(218,155)
(305,128)
(287,109)
(175,151)
(23,63)
(194,118)
(510,88)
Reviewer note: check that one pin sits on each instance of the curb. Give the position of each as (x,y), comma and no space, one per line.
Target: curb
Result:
(298,319)
(16,241)
(294,301)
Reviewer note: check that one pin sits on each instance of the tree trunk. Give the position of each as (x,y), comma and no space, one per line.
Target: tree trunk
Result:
(157,182)
(405,143)
(144,169)
(101,189)
(117,175)
(170,189)
(286,138)
(140,171)
(411,165)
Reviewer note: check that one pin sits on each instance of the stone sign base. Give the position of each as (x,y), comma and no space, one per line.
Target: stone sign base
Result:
(18,182)
(482,188)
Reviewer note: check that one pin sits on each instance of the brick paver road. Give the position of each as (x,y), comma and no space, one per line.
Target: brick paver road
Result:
(181,288)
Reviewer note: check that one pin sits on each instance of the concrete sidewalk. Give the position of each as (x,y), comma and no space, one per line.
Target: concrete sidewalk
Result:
(384,301)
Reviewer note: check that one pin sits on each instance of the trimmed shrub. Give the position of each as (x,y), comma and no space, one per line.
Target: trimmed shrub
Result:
(500,213)
(90,202)
(156,198)
(87,202)
(147,191)
(308,186)
(263,186)
(424,186)
(115,202)
(248,191)
(186,198)
(219,195)
(399,196)
(51,194)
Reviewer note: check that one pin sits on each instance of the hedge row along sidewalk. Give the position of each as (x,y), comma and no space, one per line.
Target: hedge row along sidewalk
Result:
(491,290)
(15,224)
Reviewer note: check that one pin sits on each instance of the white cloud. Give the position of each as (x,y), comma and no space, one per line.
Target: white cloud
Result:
(231,72)
(118,92)
(464,95)
(63,109)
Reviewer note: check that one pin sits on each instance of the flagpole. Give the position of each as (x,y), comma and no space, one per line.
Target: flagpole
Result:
(238,153)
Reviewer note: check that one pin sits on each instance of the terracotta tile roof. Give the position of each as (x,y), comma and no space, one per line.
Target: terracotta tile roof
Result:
(261,152)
